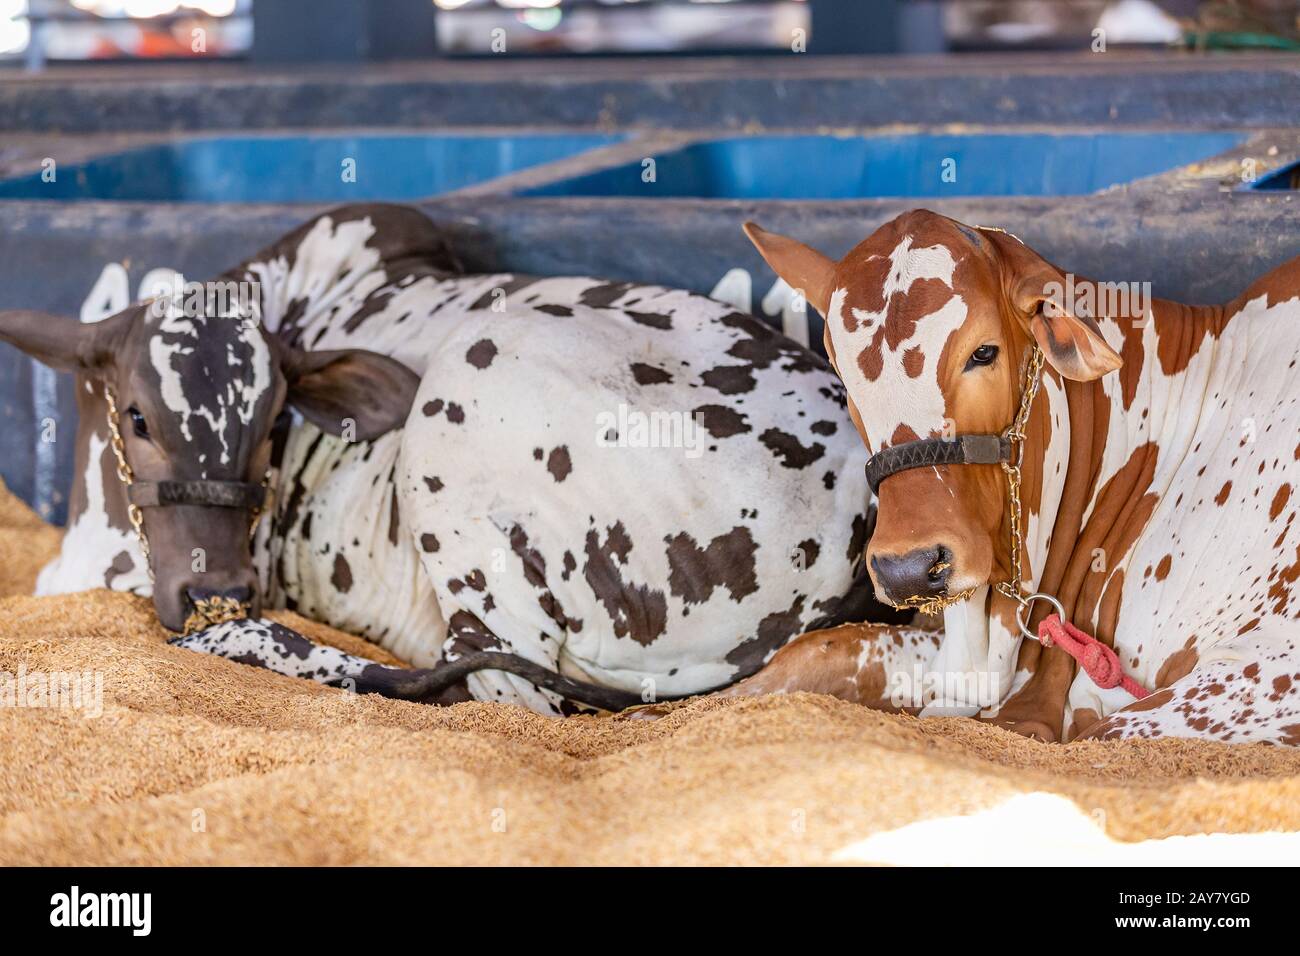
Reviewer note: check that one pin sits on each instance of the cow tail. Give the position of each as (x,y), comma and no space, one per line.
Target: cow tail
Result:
(428,684)
(858,604)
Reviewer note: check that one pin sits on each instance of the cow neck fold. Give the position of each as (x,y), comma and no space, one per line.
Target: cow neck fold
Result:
(1089,513)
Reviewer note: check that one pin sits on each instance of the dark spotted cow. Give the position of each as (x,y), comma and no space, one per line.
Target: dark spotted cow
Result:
(1161,468)
(632,486)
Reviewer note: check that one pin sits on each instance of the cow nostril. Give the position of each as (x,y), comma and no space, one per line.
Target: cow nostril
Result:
(922,573)
(938,572)
(243,595)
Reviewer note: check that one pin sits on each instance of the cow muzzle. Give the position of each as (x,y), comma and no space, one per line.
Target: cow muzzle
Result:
(209,607)
(203,606)
(914,578)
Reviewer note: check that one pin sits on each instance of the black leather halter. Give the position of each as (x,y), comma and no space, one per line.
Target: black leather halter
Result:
(204,493)
(1005,449)
(925,452)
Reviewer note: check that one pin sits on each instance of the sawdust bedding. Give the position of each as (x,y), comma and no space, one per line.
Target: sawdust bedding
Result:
(189,759)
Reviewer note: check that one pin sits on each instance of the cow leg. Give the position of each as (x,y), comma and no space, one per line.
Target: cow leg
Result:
(873,665)
(865,664)
(1246,694)
(284,651)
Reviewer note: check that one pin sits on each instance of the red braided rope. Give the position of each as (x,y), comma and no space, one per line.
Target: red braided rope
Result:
(1098,660)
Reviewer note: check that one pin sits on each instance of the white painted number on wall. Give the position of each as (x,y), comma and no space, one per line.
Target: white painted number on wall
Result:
(111,292)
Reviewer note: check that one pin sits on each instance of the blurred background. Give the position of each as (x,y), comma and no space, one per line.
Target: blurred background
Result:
(36,33)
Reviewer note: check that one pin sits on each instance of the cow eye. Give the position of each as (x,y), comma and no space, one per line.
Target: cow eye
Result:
(984,355)
(137,422)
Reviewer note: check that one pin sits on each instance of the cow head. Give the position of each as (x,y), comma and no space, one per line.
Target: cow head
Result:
(929,323)
(197,396)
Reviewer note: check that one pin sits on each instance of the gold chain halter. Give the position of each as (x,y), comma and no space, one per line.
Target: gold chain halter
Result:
(127,477)
(214,609)
(1015,434)
(1014,588)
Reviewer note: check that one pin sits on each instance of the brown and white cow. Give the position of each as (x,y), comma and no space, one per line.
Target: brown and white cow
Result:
(1160,471)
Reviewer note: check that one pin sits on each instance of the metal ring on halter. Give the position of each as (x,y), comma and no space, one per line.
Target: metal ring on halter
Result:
(1030,599)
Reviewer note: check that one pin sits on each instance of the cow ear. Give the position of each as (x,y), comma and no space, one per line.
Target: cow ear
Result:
(1070,338)
(334,389)
(63,343)
(802,267)
(1072,343)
